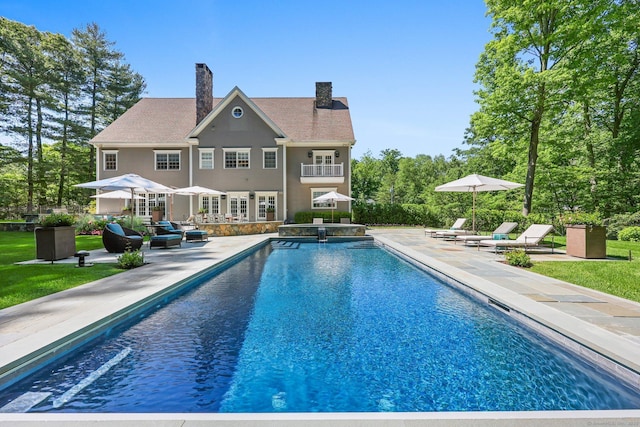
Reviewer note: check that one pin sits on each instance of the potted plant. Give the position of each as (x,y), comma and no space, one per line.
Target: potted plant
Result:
(271,213)
(156,213)
(202,215)
(56,237)
(586,236)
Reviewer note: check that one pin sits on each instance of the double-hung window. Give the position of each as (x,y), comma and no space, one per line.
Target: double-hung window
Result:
(206,158)
(317,192)
(167,160)
(236,158)
(269,158)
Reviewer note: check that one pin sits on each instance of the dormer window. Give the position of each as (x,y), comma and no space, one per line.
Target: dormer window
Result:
(237,112)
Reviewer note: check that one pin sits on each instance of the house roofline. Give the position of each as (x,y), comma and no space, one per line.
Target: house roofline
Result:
(126,144)
(235,92)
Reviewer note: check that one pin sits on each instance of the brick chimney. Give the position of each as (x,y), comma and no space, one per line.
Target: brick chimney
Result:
(324,97)
(204,92)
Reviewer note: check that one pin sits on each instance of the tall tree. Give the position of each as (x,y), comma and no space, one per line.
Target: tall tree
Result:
(66,81)
(123,88)
(24,75)
(99,57)
(523,70)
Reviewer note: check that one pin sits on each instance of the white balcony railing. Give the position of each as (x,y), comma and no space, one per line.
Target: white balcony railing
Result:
(322,170)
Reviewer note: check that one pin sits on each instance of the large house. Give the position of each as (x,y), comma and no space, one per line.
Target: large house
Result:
(263,153)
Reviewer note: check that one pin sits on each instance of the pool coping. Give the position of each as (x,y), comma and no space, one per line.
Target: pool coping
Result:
(241,245)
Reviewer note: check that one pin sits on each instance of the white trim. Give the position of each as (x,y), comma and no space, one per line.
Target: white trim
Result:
(104,162)
(324,191)
(235,92)
(236,150)
(167,152)
(269,150)
(213,157)
(265,194)
(233,112)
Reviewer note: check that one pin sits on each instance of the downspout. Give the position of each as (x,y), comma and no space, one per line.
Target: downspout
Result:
(98,151)
(284,182)
(191,179)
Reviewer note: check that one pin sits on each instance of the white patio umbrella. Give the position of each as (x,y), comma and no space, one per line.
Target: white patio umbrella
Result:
(197,190)
(332,197)
(132,182)
(118,194)
(475,183)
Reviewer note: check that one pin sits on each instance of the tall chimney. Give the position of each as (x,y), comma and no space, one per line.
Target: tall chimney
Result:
(324,97)
(204,92)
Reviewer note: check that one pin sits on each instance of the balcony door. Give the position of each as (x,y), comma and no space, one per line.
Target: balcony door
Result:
(323,161)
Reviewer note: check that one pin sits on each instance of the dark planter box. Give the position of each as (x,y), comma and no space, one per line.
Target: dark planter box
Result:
(586,241)
(53,243)
(271,216)
(156,216)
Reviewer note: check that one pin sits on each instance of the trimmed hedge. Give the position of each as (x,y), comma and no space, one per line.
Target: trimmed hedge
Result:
(307,217)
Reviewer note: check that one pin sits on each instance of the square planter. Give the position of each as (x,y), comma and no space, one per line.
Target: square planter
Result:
(53,243)
(156,216)
(586,241)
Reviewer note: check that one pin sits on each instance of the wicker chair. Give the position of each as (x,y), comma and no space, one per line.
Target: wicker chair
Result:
(169,227)
(118,239)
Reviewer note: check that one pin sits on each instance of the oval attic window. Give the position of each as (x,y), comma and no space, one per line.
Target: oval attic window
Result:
(237,112)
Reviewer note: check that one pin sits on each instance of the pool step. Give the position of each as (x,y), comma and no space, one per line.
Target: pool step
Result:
(284,244)
(25,402)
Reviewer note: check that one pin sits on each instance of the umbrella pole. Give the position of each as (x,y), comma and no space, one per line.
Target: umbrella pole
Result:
(473,212)
(131,207)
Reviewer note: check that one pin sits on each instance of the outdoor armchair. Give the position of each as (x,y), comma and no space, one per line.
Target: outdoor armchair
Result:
(118,239)
(168,227)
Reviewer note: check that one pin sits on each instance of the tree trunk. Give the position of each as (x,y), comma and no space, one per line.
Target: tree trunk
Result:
(534,140)
(63,151)
(29,156)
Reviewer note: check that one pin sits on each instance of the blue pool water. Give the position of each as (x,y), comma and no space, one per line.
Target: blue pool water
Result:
(321,328)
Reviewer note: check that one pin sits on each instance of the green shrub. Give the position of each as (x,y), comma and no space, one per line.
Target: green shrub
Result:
(629,234)
(138,225)
(129,260)
(618,222)
(307,217)
(88,224)
(57,220)
(518,258)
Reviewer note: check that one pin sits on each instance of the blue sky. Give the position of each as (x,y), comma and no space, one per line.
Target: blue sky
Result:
(406,66)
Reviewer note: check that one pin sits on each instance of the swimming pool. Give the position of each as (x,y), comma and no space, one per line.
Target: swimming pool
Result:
(339,327)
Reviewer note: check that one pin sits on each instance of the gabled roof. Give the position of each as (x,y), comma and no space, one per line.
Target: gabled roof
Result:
(164,121)
(152,120)
(217,109)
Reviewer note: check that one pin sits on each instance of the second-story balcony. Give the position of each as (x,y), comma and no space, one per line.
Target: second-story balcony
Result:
(322,174)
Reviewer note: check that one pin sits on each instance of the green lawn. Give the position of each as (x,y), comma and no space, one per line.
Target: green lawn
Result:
(619,277)
(20,283)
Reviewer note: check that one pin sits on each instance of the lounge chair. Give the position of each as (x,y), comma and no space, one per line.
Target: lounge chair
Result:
(318,220)
(500,233)
(531,238)
(118,239)
(168,227)
(456,226)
